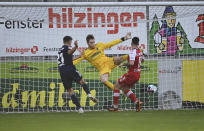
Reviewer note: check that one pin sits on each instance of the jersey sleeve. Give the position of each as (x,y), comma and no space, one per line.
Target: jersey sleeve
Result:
(78,60)
(132,55)
(112,43)
(65,49)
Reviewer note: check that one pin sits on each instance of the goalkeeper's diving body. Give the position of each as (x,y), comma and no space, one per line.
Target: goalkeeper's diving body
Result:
(95,55)
(68,72)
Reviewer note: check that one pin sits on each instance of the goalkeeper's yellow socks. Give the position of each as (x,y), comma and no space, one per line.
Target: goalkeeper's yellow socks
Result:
(125,57)
(109,84)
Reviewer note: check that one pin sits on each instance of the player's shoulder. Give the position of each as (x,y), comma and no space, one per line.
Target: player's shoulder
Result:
(140,52)
(99,44)
(65,47)
(133,51)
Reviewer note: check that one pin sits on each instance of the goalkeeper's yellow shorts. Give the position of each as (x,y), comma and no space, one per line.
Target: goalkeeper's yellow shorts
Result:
(107,66)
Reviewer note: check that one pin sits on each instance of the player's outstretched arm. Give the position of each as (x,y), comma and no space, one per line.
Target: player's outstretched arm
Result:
(78,58)
(115,42)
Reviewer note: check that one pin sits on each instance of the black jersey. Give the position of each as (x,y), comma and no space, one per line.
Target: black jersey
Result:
(68,71)
(63,57)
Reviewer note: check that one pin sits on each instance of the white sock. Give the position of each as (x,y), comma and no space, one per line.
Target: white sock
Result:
(89,95)
(115,106)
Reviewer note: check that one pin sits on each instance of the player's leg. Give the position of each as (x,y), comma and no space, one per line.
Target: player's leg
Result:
(132,97)
(116,95)
(129,94)
(125,83)
(105,71)
(119,59)
(78,78)
(86,89)
(104,80)
(67,82)
(75,100)
(70,93)
(129,81)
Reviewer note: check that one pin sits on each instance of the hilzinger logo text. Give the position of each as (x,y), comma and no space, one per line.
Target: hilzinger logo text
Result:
(68,19)
(33,50)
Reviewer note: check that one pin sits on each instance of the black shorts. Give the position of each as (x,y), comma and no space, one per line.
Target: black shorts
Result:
(68,74)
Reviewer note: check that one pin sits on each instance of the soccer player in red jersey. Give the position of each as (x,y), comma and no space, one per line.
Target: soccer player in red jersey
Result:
(128,80)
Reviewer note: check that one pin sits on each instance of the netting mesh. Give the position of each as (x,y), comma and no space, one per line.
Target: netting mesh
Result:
(171,38)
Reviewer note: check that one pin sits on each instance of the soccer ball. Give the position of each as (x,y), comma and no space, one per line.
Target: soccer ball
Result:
(152,88)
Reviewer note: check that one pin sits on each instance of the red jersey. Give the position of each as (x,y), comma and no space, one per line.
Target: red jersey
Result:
(137,56)
(133,75)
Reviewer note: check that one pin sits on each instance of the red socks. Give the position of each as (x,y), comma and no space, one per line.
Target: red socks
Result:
(131,95)
(116,96)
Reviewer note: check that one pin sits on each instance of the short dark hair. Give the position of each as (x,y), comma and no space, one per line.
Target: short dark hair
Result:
(89,37)
(67,38)
(135,40)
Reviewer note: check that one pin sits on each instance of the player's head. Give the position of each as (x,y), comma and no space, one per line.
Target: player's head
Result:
(90,41)
(135,41)
(67,40)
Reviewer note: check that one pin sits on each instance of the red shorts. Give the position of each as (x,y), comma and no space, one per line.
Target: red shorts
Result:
(129,79)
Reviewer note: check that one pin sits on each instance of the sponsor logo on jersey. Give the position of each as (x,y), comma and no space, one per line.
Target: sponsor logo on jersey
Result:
(96,54)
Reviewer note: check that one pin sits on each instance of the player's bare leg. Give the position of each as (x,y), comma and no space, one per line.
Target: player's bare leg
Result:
(86,89)
(104,80)
(119,59)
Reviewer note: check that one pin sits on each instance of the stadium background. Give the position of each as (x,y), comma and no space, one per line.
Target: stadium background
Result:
(45,79)
(42,76)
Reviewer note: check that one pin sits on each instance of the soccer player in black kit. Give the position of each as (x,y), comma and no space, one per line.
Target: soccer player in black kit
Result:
(68,71)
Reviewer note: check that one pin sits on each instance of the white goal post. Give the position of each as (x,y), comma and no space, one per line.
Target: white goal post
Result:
(171,37)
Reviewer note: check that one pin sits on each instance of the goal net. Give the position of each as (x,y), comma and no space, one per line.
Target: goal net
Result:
(171,37)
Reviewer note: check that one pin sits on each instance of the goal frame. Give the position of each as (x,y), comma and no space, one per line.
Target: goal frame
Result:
(73,4)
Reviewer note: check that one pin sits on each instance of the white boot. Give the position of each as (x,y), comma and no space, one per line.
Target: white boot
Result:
(81,111)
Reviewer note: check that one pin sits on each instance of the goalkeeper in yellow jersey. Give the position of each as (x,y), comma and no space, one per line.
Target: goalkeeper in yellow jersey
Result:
(95,55)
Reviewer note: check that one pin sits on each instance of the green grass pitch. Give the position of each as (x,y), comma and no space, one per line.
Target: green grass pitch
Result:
(177,120)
